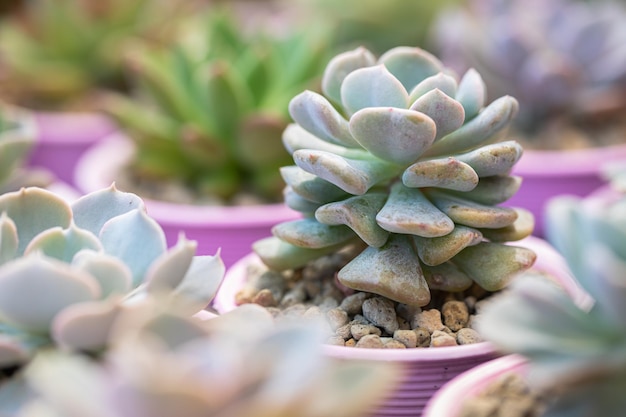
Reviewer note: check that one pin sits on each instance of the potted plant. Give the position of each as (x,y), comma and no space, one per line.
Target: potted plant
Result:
(59,55)
(570,354)
(201,139)
(563,60)
(400,167)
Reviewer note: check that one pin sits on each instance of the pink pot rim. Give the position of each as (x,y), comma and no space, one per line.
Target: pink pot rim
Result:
(548,261)
(96,170)
(447,400)
(79,120)
(574,162)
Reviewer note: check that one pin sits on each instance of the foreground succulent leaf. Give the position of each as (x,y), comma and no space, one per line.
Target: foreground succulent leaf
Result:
(372,87)
(63,244)
(113,276)
(438,250)
(280,255)
(342,65)
(449,173)
(309,233)
(8,238)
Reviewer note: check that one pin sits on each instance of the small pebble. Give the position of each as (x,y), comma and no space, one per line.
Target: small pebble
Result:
(370,341)
(439,339)
(360,330)
(381,312)
(407,337)
(264,298)
(422,337)
(429,320)
(468,336)
(455,315)
(353,304)
(336,341)
(393,344)
(336,318)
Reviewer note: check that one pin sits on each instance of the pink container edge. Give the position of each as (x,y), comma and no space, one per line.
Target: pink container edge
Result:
(232,229)
(447,401)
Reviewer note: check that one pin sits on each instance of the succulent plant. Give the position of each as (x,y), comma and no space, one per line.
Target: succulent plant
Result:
(562,59)
(576,351)
(239,364)
(209,111)
(402,157)
(17,139)
(56,52)
(66,271)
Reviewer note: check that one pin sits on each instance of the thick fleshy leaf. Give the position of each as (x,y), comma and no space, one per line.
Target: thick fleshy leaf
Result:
(316,115)
(12,353)
(446,277)
(309,233)
(372,87)
(342,65)
(472,93)
(494,159)
(295,137)
(392,271)
(492,120)
(470,213)
(93,210)
(86,326)
(411,65)
(448,173)
(8,238)
(34,289)
(354,176)
(358,213)
(493,265)
(299,203)
(201,282)
(34,210)
(437,250)
(444,82)
(169,269)
(492,190)
(447,113)
(134,238)
(395,135)
(111,273)
(63,244)
(521,228)
(310,186)
(408,211)
(279,255)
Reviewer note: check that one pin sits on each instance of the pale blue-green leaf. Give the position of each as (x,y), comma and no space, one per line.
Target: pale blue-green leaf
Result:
(316,115)
(448,173)
(112,274)
(411,65)
(310,186)
(472,93)
(86,326)
(437,250)
(470,213)
(34,289)
(354,176)
(392,271)
(444,82)
(63,244)
(372,87)
(169,269)
(358,213)
(342,65)
(298,203)
(93,210)
(494,265)
(396,135)
(295,138)
(492,190)
(521,228)
(279,255)
(8,238)
(34,210)
(16,394)
(134,238)
(493,119)
(309,233)
(446,277)
(408,211)
(447,113)
(494,159)
(201,282)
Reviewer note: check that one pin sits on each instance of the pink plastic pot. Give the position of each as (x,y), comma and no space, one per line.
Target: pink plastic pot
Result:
(426,370)
(231,228)
(447,402)
(63,137)
(549,173)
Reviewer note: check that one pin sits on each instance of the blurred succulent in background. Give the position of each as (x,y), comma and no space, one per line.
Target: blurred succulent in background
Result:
(564,60)
(576,352)
(67,271)
(209,111)
(17,139)
(239,364)
(56,53)
(406,160)
(378,25)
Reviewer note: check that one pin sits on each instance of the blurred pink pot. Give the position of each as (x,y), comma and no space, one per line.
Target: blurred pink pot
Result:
(550,173)
(426,370)
(63,137)
(231,228)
